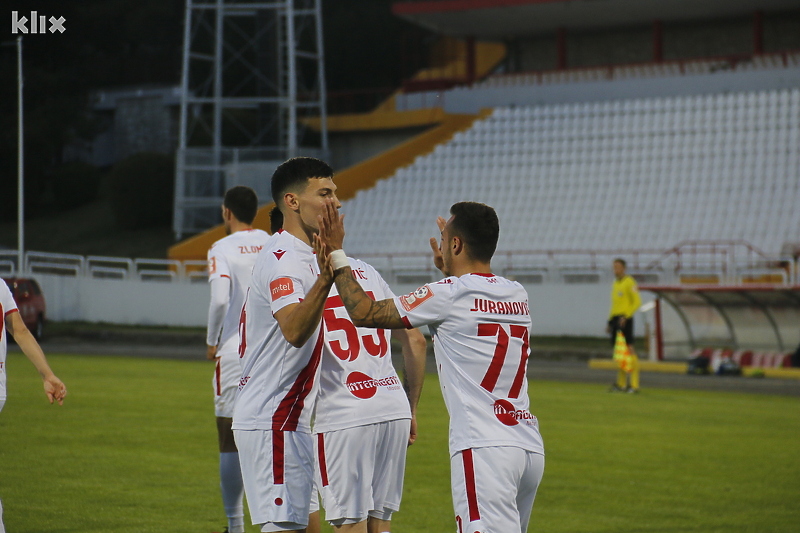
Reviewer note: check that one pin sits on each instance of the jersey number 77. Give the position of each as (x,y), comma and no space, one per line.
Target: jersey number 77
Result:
(515,331)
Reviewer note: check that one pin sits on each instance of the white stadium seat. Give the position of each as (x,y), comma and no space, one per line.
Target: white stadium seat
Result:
(635,174)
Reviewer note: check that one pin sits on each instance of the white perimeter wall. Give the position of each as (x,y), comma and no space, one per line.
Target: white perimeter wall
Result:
(556,309)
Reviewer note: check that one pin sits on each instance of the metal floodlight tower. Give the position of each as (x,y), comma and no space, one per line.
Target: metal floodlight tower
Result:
(253,73)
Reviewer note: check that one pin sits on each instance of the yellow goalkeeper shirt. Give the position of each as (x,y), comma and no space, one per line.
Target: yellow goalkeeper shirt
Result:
(624,297)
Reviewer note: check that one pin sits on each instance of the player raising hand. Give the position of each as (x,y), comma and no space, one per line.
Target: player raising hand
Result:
(480,324)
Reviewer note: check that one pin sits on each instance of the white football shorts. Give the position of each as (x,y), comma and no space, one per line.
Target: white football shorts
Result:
(494,488)
(359,471)
(225,382)
(315,506)
(278,475)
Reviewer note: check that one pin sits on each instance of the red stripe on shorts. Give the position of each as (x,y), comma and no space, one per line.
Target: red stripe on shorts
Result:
(277,457)
(469,481)
(323,468)
(218,377)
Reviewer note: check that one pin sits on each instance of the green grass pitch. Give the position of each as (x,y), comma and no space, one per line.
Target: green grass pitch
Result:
(133,450)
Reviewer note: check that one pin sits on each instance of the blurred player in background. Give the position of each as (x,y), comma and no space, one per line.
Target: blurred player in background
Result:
(281,344)
(480,325)
(275,220)
(230,264)
(11,320)
(625,301)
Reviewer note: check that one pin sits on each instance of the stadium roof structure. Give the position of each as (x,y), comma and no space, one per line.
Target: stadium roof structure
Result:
(505,19)
(748,316)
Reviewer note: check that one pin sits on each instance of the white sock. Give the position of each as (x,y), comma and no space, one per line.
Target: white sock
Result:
(230,476)
(2,528)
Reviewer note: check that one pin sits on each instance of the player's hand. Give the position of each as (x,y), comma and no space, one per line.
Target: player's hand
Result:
(608,328)
(413,434)
(331,227)
(211,352)
(323,259)
(438,261)
(622,321)
(55,389)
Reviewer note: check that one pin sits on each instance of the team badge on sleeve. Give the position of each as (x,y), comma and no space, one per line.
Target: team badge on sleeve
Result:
(416,298)
(281,287)
(212,265)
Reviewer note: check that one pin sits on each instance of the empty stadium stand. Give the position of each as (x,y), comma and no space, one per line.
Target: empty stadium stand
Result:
(756,62)
(640,174)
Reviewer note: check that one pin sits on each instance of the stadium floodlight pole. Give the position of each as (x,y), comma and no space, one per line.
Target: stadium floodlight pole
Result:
(20,173)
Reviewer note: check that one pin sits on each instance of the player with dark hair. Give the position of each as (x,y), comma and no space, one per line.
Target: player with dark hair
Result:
(480,324)
(242,202)
(625,301)
(275,220)
(230,262)
(280,349)
(361,419)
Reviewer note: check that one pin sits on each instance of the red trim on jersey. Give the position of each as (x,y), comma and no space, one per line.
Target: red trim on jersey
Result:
(277,457)
(218,378)
(15,310)
(224,276)
(323,467)
(469,481)
(287,415)
(482,274)
(406,322)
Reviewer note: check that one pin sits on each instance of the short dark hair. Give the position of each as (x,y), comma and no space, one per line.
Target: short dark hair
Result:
(478,227)
(275,220)
(296,172)
(621,261)
(243,203)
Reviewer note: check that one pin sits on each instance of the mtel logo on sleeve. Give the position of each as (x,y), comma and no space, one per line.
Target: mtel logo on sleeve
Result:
(416,298)
(281,287)
(38,23)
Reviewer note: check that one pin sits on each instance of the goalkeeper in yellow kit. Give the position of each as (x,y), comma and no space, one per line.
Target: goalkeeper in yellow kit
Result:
(624,303)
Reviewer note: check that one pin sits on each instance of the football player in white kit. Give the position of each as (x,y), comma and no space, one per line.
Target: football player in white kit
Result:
(280,348)
(11,320)
(230,264)
(480,324)
(364,421)
(362,415)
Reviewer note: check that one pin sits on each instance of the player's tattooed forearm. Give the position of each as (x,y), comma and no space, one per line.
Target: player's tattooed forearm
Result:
(363,310)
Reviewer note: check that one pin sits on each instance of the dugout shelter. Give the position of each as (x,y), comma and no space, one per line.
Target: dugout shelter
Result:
(757,324)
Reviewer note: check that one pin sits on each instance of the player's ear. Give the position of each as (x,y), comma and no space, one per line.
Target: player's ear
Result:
(456,245)
(290,200)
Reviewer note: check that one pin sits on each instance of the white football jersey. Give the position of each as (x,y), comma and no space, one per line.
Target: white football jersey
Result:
(233,257)
(358,383)
(7,306)
(480,326)
(279,382)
